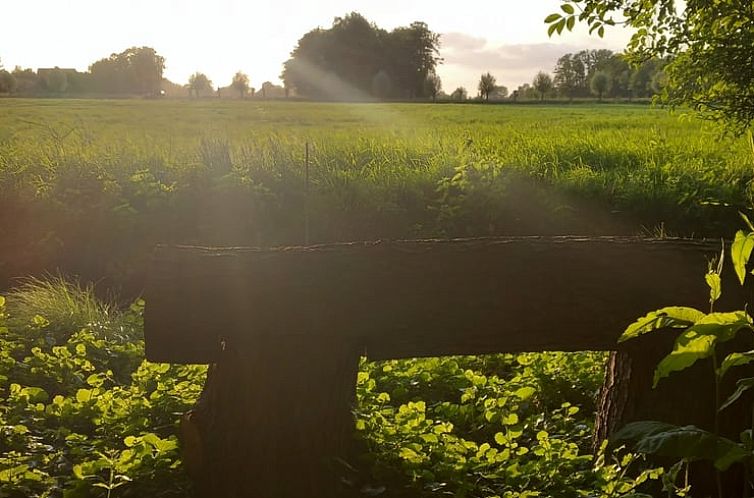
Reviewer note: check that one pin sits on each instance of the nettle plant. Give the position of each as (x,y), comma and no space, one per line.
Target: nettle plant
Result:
(700,338)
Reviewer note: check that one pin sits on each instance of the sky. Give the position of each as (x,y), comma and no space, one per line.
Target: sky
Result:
(505,37)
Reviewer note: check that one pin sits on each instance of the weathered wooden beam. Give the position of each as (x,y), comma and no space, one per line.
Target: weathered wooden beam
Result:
(420,298)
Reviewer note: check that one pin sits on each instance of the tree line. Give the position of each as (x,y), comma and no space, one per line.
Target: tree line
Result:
(354,59)
(135,71)
(588,73)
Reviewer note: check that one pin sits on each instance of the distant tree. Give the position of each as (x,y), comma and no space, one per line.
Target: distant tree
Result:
(267,86)
(600,84)
(344,61)
(7,82)
(709,45)
(414,53)
(136,70)
(432,86)
(542,84)
(619,71)
(659,82)
(198,83)
(525,91)
(56,80)
(640,81)
(486,85)
(460,94)
(570,75)
(240,83)
(499,92)
(27,81)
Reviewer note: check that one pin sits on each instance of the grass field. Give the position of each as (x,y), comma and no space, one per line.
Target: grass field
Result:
(142,172)
(88,187)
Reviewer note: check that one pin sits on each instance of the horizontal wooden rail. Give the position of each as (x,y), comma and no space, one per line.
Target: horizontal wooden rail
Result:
(421,298)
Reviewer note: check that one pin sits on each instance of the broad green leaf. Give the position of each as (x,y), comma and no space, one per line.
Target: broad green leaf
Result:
(688,442)
(525,392)
(699,341)
(567,8)
(671,316)
(638,430)
(740,252)
(500,439)
(715,286)
(83,395)
(735,360)
(571,23)
(552,18)
(742,386)
(689,348)
(510,419)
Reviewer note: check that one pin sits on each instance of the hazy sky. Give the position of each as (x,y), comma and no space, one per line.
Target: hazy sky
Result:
(219,37)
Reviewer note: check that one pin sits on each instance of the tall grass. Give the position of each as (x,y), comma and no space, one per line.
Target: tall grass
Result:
(91,186)
(65,307)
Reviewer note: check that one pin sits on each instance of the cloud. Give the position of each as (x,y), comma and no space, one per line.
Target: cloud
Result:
(461,41)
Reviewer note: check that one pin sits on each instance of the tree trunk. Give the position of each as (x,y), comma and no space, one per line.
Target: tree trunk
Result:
(272,421)
(684,398)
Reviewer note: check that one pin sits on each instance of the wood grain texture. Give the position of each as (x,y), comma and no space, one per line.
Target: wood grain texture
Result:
(421,298)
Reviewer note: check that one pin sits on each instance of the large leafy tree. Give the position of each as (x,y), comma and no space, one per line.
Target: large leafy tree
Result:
(137,70)
(354,58)
(709,44)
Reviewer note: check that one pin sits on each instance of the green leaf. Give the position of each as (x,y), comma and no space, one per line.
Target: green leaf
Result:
(500,439)
(83,395)
(672,316)
(747,221)
(571,23)
(724,326)
(510,419)
(688,442)
(740,252)
(638,430)
(742,386)
(567,8)
(699,341)
(552,18)
(525,392)
(601,32)
(551,29)
(715,286)
(735,360)
(689,348)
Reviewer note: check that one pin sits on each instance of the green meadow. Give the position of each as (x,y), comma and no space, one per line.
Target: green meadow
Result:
(88,187)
